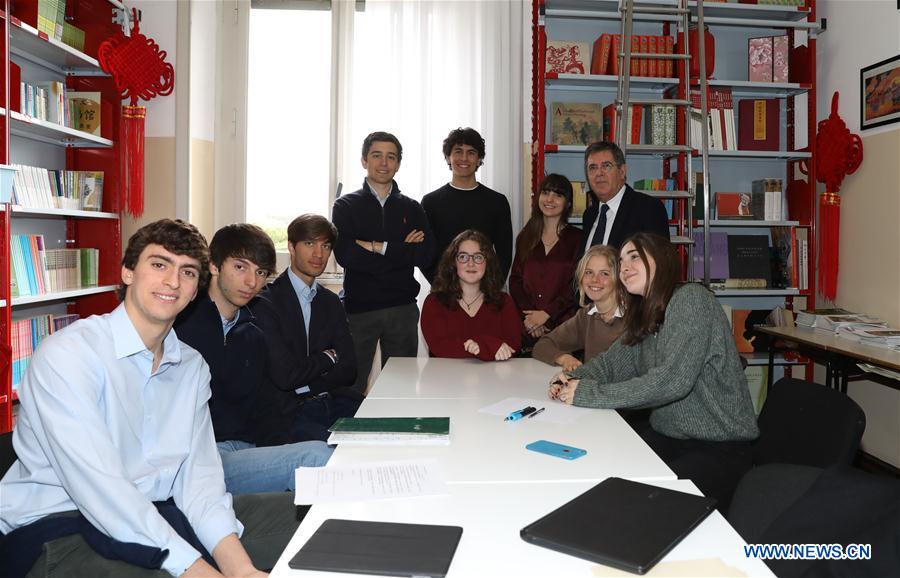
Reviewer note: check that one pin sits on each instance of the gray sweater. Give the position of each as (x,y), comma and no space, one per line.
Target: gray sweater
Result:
(689,373)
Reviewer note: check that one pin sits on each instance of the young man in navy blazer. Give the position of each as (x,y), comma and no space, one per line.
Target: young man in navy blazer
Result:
(312,364)
(221,327)
(617,211)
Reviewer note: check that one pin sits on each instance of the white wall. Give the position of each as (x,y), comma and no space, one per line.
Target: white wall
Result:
(159,23)
(203,69)
(861,33)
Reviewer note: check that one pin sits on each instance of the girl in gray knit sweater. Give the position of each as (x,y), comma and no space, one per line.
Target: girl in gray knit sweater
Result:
(678,357)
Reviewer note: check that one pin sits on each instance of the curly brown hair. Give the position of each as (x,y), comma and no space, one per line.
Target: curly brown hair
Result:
(176,236)
(446,286)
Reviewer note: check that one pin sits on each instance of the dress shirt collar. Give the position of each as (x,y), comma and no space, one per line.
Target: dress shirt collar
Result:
(227,324)
(127,341)
(614,202)
(305,293)
(375,193)
(618,312)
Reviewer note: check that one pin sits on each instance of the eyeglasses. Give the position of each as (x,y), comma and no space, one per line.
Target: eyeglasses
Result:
(605,166)
(464,258)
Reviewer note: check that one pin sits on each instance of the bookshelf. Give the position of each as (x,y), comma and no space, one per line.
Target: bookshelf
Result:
(40,143)
(731,24)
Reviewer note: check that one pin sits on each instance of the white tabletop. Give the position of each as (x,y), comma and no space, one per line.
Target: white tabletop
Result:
(491,516)
(485,448)
(423,377)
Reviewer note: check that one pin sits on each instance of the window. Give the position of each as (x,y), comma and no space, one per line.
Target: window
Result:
(289,112)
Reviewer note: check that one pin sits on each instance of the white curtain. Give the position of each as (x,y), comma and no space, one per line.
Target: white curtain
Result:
(422,68)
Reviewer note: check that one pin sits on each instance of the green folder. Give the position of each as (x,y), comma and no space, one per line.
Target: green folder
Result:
(426,426)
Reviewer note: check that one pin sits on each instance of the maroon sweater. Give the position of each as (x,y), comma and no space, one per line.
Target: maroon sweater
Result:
(447,329)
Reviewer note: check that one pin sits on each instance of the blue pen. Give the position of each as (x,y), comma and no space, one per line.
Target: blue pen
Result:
(520,413)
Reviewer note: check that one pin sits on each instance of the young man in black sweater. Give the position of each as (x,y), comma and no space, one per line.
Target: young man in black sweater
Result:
(383,237)
(221,327)
(464,203)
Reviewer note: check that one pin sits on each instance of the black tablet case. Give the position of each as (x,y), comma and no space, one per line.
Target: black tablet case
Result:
(620,523)
(382,548)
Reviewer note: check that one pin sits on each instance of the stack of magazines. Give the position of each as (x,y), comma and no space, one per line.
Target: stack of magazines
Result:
(835,320)
(879,336)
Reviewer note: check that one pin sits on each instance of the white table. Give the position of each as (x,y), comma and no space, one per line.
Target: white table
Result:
(485,448)
(491,516)
(422,377)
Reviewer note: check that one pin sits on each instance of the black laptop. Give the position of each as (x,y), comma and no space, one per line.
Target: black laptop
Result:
(620,523)
(382,548)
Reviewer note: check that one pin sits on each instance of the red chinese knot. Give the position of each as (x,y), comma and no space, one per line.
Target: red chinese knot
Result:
(137,65)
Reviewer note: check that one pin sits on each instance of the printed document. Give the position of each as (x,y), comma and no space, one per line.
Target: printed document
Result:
(554,411)
(369,481)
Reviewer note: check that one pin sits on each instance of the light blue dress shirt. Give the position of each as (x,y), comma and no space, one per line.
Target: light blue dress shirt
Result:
(102,433)
(305,294)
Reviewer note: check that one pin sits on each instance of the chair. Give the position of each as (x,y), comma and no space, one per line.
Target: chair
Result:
(808,424)
(7,453)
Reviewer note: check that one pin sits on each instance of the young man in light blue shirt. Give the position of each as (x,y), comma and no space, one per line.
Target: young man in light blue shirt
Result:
(115,443)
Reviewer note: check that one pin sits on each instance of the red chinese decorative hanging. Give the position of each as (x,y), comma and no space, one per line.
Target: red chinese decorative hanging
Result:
(140,70)
(839,154)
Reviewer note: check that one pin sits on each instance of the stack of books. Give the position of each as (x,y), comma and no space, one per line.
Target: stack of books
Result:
(27,334)
(37,270)
(41,188)
(886,337)
(390,431)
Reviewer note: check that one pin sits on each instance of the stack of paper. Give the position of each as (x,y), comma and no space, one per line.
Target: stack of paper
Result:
(391,430)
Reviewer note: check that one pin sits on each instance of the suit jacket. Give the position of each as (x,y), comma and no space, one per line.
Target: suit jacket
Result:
(637,213)
(294,363)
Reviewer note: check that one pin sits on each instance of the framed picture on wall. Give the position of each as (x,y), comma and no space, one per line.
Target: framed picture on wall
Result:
(880,93)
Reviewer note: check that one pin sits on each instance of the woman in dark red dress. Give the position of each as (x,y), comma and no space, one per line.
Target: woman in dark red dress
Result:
(467,314)
(546,253)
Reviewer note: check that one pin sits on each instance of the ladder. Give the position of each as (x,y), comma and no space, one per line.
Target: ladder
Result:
(680,12)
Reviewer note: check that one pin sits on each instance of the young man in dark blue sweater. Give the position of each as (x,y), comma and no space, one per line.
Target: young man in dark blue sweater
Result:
(221,327)
(383,236)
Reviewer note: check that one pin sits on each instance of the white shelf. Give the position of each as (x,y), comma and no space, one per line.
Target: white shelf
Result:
(606,82)
(679,240)
(748,223)
(749,155)
(756,292)
(38,213)
(666,194)
(52,133)
(25,42)
(61,295)
(761,15)
(747,88)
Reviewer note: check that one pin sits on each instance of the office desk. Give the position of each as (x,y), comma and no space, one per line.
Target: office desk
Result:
(485,448)
(491,516)
(840,354)
(435,378)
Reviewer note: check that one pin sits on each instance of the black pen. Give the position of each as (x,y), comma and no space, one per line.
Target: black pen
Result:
(536,412)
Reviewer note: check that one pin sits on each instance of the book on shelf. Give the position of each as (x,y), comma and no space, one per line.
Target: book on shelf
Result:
(600,54)
(390,431)
(37,270)
(27,334)
(748,257)
(610,124)
(768,198)
(660,124)
(568,57)
(733,206)
(757,381)
(575,123)
(784,258)
(802,253)
(85,111)
(579,199)
(759,124)
(718,255)
(659,185)
(37,187)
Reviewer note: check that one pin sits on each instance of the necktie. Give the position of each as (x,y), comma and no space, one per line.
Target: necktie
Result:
(601,226)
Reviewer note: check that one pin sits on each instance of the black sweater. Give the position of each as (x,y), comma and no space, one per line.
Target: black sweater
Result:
(373,281)
(451,211)
(237,365)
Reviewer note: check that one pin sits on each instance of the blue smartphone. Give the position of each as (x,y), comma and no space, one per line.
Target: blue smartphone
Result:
(556,450)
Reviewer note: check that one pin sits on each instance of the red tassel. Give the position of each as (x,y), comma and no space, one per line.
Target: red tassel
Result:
(133,159)
(829,243)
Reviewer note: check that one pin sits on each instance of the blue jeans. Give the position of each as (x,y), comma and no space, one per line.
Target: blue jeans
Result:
(249,469)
